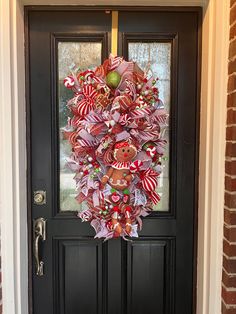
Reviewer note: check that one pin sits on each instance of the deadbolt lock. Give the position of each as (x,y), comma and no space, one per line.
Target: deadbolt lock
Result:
(39,197)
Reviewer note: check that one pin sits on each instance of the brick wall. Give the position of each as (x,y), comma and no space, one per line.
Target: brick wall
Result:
(229,241)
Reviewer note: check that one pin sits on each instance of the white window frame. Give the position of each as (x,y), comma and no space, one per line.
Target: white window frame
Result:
(13,203)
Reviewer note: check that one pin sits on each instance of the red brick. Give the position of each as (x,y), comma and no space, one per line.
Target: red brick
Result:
(230,149)
(232,49)
(229,309)
(230,234)
(232,67)
(230,184)
(231,133)
(232,31)
(230,167)
(229,296)
(232,15)
(232,83)
(229,249)
(230,217)
(229,280)
(232,2)
(231,116)
(229,265)
(231,101)
(230,201)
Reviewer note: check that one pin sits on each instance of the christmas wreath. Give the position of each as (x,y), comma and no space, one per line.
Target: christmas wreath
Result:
(117,143)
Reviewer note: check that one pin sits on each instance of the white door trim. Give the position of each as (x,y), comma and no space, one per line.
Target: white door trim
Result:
(13,149)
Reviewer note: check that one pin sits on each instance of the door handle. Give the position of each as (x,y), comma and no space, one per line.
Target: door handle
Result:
(39,236)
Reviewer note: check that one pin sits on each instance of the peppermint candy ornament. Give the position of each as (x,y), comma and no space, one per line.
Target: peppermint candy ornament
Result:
(151,151)
(69,82)
(135,166)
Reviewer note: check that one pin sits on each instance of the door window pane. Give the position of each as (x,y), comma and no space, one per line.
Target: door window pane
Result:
(156,56)
(71,55)
(85,55)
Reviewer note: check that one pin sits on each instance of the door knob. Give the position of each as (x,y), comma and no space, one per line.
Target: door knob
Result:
(39,236)
(39,197)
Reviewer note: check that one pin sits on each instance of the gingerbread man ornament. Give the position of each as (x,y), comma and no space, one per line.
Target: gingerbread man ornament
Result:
(119,177)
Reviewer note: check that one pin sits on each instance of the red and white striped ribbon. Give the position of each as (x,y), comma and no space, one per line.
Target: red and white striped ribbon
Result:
(124,102)
(149,180)
(75,121)
(125,67)
(100,82)
(130,89)
(85,105)
(154,197)
(149,183)
(85,143)
(114,62)
(73,138)
(140,113)
(89,92)
(148,136)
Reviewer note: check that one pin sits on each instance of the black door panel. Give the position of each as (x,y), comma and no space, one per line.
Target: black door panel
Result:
(154,273)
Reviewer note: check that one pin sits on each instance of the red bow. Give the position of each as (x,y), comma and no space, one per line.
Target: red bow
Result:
(149,184)
(87,103)
(149,179)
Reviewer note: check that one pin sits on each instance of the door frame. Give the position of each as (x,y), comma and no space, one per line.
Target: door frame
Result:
(211,163)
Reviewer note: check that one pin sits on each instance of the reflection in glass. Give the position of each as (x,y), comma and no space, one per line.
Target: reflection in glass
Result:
(157,57)
(71,55)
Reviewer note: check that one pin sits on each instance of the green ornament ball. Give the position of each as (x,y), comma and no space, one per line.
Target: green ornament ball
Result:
(113,79)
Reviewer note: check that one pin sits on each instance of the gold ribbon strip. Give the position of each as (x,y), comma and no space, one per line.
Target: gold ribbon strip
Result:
(114,33)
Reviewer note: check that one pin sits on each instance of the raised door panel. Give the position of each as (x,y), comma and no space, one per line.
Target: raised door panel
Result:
(150,275)
(79,275)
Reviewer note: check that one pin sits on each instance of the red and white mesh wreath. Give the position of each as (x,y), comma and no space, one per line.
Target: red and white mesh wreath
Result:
(117,142)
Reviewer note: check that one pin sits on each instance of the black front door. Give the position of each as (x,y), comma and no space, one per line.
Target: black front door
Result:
(154,273)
